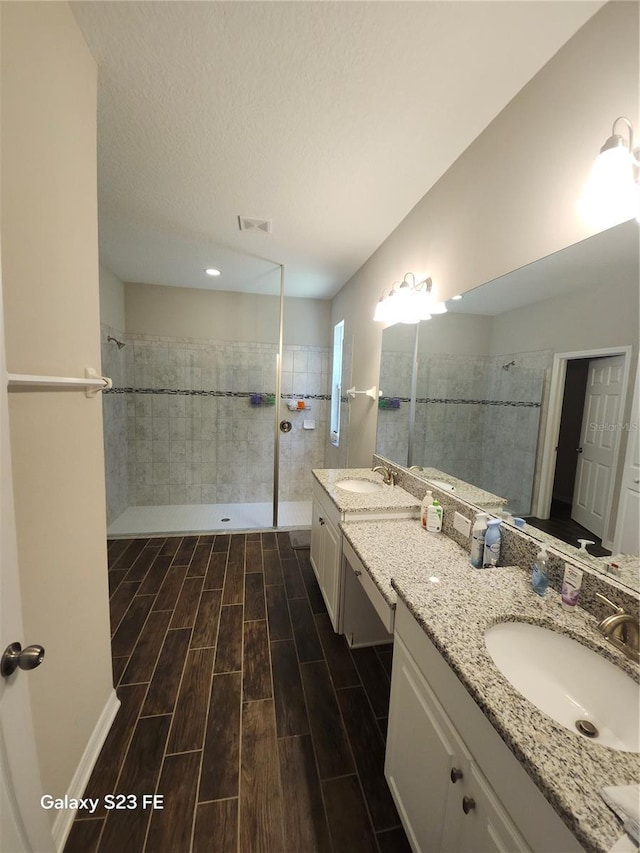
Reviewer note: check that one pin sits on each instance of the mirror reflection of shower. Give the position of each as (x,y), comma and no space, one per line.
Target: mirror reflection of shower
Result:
(508,365)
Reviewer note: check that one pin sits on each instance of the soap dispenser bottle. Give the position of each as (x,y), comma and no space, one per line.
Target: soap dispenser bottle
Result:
(540,573)
(427,501)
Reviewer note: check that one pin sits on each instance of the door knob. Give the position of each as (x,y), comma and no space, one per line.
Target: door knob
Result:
(15,656)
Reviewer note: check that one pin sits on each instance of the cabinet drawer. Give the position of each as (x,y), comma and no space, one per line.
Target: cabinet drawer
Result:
(385,611)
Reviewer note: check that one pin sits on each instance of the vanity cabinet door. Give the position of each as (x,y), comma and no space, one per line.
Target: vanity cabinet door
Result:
(331,571)
(424,755)
(326,553)
(317,522)
(485,827)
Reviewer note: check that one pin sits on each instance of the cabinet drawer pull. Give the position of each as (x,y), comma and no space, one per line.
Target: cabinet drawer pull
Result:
(321,519)
(357,572)
(456,774)
(468,804)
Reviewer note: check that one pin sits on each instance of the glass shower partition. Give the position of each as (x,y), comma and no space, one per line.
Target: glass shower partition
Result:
(192,425)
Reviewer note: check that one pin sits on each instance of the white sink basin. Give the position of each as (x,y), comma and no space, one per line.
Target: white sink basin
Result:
(362,486)
(569,682)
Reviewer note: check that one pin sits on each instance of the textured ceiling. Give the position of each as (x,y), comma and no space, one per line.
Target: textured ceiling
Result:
(331,119)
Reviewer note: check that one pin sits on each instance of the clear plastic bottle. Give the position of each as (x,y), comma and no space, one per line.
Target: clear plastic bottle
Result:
(492,542)
(540,573)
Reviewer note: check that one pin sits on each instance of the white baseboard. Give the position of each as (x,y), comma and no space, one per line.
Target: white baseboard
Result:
(65,817)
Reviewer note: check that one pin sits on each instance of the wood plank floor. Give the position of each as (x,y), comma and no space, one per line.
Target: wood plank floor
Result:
(241,708)
(563,527)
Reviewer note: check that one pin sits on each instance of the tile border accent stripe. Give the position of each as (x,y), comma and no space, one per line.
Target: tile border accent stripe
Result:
(458,401)
(203,393)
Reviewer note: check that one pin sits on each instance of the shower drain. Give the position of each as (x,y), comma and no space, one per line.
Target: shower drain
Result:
(586,728)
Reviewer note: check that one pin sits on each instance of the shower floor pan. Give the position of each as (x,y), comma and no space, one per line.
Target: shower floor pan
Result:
(208,518)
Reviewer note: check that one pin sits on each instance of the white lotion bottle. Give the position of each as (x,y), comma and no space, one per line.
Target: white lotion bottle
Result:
(427,501)
(434,518)
(571,583)
(477,539)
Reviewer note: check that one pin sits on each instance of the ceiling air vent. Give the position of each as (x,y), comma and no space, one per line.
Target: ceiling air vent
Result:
(261,226)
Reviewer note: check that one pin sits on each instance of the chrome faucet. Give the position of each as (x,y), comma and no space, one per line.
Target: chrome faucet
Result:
(388,476)
(621,629)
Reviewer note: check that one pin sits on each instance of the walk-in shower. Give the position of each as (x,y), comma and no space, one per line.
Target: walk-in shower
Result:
(192,424)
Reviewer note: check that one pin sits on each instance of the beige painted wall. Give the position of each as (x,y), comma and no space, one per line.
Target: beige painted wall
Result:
(509,199)
(111,300)
(587,319)
(50,282)
(456,334)
(186,312)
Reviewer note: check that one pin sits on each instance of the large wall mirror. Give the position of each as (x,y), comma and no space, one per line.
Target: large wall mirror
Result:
(546,355)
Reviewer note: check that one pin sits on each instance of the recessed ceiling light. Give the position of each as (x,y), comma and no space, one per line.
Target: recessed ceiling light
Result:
(457,297)
(211,271)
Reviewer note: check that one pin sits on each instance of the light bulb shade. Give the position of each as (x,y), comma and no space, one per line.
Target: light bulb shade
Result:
(379,315)
(611,193)
(423,305)
(408,303)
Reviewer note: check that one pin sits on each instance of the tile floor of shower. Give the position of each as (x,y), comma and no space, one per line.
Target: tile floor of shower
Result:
(209,518)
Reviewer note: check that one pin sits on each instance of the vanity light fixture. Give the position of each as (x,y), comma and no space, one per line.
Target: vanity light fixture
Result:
(211,271)
(456,297)
(612,191)
(408,302)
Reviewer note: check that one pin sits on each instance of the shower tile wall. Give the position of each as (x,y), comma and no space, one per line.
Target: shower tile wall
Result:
(114,414)
(392,434)
(191,448)
(511,432)
(484,442)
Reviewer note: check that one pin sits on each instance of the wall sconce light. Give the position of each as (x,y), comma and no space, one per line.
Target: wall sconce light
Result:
(408,301)
(612,191)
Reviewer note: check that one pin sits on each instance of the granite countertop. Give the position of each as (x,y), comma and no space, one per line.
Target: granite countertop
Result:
(390,499)
(465,491)
(454,613)
(628,570)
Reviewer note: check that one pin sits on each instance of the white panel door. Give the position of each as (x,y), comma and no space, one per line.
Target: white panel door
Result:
(24,824)
(627,538)
(599,439)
